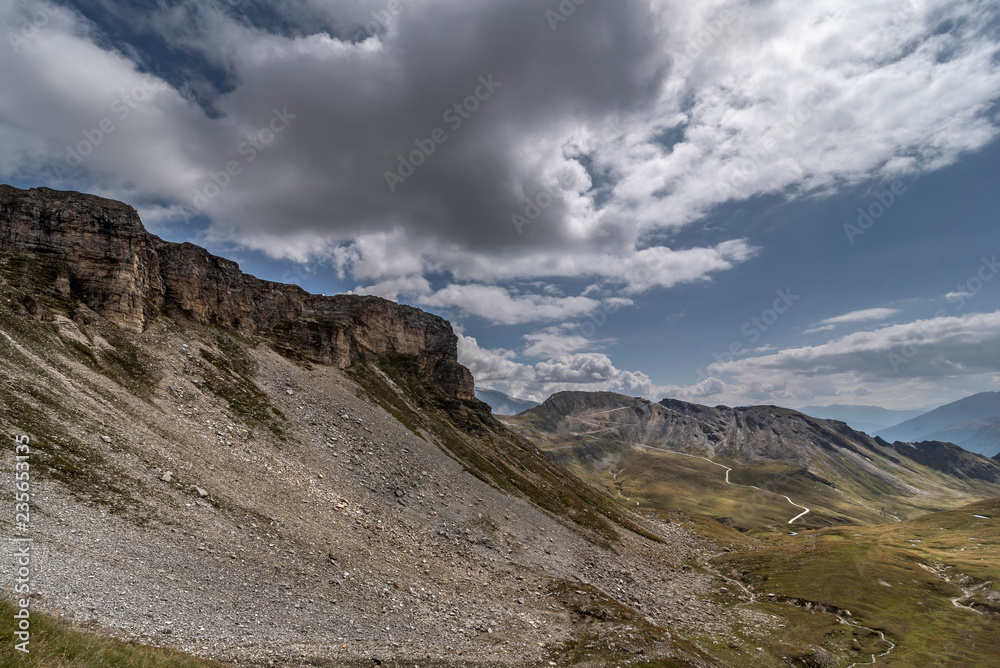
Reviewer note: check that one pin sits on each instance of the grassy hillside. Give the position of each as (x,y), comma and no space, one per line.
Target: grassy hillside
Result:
(932,584)
(647,457)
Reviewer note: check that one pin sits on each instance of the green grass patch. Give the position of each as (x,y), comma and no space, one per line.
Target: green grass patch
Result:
(229,372)
(55,644)
(886,579)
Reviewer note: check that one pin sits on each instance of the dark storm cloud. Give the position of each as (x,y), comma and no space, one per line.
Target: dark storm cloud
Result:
(357,109)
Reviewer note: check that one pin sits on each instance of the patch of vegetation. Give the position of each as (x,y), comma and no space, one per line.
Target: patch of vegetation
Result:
(230,373)
(55,644)
(382,393)
(607,633)
(56,453)
(34,277)
(898,578)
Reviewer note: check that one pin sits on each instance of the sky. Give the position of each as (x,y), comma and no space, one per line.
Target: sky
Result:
(726,202)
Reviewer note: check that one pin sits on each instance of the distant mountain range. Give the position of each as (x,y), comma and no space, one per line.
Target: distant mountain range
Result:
(672,454)
(869,419)
(503,404)
(972,422)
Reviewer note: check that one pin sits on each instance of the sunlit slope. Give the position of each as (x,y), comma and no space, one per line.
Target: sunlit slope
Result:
(930,584)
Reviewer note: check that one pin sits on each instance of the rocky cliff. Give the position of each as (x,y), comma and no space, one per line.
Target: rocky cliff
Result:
(98,252)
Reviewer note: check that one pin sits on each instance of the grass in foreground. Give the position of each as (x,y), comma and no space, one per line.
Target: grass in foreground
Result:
(54,644)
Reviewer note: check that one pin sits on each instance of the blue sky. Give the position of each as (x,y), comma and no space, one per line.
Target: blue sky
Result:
(647,197)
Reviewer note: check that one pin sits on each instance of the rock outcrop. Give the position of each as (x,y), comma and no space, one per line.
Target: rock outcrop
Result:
(99,253)
(747,434)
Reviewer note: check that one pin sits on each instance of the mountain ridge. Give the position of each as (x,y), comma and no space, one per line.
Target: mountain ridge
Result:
(97,250)
(972,422)
(842,474)
(868,419)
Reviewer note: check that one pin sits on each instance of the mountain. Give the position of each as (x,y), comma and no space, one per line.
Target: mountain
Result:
(96,251)
(970,422)
(228,471)
(261,476)
(981,436)
(503,404)
(868,419)
(671,454)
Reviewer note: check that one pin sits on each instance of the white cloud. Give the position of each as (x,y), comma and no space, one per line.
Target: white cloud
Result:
(903,365)
(557,341)
(591,372)
(497,305)
(791,98)
(860,316)
(864,315)
(393,287)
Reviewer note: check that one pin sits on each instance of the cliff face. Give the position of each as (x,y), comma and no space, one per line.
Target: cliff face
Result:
(105,258)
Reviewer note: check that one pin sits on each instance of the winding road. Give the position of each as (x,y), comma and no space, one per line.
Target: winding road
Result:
(805,511)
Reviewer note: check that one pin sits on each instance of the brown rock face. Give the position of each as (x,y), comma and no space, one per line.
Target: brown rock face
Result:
(107,260)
